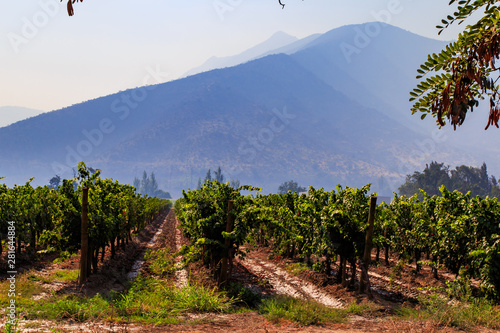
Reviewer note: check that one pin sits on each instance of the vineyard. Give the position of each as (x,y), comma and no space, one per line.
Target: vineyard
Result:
(44,219)
(313,258)
(452,231)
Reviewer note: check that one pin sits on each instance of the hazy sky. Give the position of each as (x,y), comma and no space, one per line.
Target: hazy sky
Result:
(50,60)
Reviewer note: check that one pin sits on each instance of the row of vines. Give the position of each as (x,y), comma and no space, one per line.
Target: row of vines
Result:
(48,219)
(454,230)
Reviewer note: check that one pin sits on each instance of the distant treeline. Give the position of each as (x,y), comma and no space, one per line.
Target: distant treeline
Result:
(149,186)
(463,178)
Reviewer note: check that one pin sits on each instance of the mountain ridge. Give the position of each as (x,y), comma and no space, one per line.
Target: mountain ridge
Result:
(265,121)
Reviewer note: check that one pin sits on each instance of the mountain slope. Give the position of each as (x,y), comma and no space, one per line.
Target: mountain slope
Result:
(309,116)
(265,118)
(374,64)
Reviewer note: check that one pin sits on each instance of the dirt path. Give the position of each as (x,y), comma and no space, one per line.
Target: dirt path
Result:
(181,276)
(139,262)
(286,284)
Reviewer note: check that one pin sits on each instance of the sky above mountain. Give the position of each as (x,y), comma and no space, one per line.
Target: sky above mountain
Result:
(51,60)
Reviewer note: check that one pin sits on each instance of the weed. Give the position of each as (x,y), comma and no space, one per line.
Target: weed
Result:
(26,287)
(262,282)
(460,314)
(362,308)
(65,275)
(201,299)
(161,261)
(300,311)
(63,256)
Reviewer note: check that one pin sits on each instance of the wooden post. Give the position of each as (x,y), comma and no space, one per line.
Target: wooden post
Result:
(363,280)
(85,236)
(227,243)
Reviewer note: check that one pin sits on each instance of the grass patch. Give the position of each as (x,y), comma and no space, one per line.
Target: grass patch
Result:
(297,268)
(160,262)
(201,299)
(307,312)
(363,308)
(26,287)
(148,300)
(64,275)
(72,307)
(300,311)
(477,312)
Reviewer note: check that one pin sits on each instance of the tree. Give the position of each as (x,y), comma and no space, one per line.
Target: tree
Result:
(218,175)
(234,183)
(433,176)
(55,182)
(463,179)
(472,179)
(291,186)
(149,186)
(463,72)
(153,184)
(208,177)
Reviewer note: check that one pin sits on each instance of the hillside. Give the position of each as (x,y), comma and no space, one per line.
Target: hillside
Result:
(305,116)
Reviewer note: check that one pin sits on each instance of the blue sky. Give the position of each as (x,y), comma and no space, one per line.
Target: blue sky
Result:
(50,60)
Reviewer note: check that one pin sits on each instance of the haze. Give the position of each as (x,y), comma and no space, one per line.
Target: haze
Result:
(51,60)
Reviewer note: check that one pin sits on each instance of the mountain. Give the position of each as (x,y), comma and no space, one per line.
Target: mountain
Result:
(12,114)
(374,64)
(307,116)
(276,41)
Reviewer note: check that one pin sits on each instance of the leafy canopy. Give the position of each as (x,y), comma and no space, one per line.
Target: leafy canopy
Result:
(464,72)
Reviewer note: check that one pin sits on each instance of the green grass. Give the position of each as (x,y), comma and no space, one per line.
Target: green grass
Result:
(299,311)
(64,275)
(25,288)
(148,300)
(308,312)
(160,262)
(477,312)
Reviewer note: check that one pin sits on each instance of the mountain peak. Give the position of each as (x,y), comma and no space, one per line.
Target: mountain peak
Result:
(278,40)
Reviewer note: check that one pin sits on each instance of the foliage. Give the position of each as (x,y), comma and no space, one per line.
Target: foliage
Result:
(203,215)
(50,217)
(291,186)
(218,176)
(458,231)
(462,73)
(455,230)
(161,261)
(300,311)
(463,315)
(462,178)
